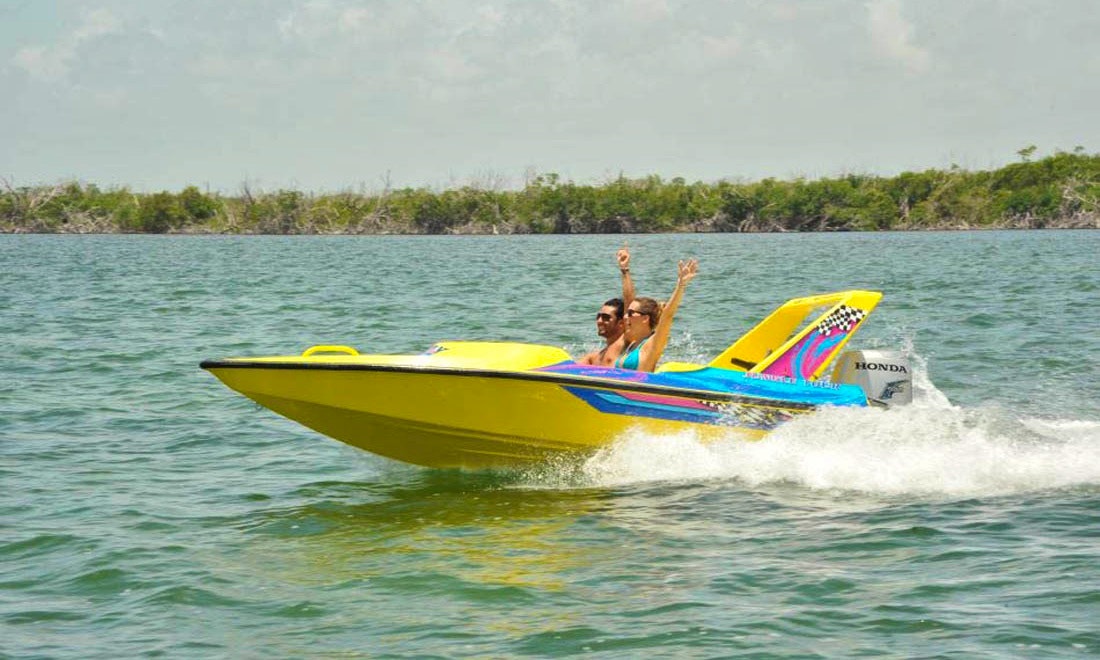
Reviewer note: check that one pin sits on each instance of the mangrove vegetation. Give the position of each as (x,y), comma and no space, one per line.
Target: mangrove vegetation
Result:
(1060,190)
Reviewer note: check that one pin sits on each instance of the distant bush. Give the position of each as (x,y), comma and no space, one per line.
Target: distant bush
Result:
(1062,189)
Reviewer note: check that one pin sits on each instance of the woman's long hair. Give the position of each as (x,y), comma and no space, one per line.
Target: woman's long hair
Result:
(652,309)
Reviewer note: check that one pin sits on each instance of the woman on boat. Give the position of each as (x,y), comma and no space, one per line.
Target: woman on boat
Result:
(648,324)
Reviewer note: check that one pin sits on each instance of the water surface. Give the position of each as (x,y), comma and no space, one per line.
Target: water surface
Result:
(147,510)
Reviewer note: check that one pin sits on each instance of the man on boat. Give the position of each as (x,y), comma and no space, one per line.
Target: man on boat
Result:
(609,320)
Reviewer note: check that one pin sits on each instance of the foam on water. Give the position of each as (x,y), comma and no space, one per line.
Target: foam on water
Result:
(149,511)
(929,448)
(951,453)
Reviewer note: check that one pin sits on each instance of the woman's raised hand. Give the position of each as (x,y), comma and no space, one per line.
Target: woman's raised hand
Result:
(688,270)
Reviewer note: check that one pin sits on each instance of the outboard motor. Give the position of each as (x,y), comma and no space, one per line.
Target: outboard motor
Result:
(884,376)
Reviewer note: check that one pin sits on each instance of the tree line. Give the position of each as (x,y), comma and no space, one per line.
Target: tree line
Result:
(1060,190)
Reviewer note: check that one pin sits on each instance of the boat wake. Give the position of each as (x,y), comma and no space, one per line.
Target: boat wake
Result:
(929,448)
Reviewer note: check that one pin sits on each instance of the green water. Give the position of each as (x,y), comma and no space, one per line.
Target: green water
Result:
(146,510)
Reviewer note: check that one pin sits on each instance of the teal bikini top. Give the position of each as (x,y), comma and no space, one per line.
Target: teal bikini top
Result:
(630,360)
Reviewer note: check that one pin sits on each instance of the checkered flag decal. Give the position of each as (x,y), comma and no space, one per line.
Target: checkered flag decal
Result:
(842,320)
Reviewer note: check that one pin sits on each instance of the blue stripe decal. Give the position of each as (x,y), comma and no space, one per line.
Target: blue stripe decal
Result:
(734,415)
(612,402)
(725,381)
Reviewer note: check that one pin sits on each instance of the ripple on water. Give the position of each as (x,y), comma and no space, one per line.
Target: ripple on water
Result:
(150,511)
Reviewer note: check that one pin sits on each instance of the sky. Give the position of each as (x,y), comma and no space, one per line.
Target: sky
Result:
(328,95)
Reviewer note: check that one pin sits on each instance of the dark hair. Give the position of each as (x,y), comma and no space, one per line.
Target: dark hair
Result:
(617,303)
(650,308)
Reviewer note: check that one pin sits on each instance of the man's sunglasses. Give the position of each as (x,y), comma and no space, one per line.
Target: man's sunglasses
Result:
(603,316)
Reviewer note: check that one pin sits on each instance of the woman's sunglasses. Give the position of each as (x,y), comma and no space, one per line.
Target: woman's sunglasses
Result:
(636,312)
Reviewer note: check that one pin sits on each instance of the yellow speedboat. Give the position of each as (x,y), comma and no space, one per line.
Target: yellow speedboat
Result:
(493,404)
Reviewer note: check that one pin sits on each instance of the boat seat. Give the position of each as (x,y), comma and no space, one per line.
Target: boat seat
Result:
(679,366)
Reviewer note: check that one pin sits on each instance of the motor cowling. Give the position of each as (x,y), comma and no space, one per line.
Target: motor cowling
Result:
(884,376)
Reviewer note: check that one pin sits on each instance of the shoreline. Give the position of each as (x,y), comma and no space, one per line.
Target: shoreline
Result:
(1061,191)
(1080,223)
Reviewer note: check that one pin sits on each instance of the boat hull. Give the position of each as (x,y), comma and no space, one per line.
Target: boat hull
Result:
(443,416)
(451,420)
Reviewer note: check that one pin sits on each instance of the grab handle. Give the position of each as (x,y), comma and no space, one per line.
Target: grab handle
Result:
(329,349)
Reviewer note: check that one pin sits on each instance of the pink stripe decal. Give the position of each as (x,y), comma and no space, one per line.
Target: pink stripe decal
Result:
(664,400)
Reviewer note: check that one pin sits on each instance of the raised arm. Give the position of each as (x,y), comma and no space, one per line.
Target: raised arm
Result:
(597,356)
(651,351)
(623,256)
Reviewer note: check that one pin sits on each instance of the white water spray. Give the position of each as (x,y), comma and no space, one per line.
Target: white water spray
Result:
(930,448)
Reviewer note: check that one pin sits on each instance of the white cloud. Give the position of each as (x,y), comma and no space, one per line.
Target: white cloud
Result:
(783,11)
(96,24)
(721,48)
(354,19)
(43,63)
(648,10)
(52,63)
(307,20)
(452,66)
(892,35)
(490,16)
(436,86)
(321,20)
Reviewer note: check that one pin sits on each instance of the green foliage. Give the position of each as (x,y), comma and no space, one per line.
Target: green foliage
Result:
(196,206)
(159,213)
(1060,189)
